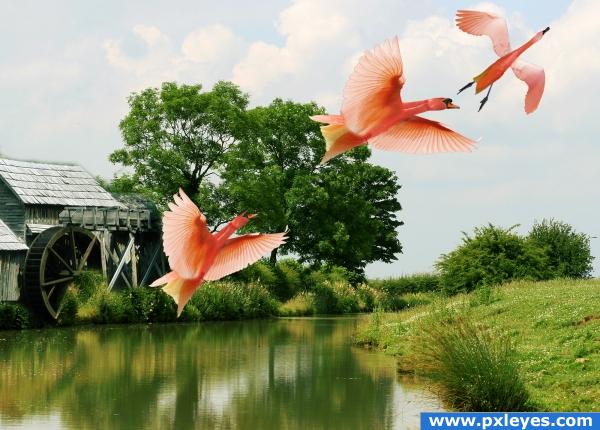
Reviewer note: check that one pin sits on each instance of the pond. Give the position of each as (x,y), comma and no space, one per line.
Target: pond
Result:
(294,373)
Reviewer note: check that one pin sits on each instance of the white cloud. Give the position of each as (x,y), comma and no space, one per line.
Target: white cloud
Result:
(206,55)
(314,31)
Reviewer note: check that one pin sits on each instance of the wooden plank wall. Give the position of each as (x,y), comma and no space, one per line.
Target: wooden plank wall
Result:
(10,261)
(42,214)
(12,211)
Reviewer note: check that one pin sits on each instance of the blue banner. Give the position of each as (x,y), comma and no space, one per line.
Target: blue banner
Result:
(509,420)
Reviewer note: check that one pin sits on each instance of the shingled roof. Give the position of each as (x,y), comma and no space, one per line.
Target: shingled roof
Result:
(54,184)
(8,240)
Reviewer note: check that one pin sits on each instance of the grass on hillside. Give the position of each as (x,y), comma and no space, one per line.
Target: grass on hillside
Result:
(554,327)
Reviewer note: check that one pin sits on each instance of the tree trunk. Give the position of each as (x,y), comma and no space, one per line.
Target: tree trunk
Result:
(273,257)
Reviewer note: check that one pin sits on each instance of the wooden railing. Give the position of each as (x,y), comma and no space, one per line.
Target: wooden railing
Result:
(114,219)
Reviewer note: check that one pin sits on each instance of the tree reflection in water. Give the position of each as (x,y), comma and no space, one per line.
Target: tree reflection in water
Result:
(293,374)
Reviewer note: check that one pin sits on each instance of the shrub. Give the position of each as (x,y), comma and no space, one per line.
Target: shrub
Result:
(390,302)
(14,316)
(114,308)
(417,283)
(366,298)
(477,372)
(301,304)
(69,307)
(325,299)
(289,279)
(88,283)
(492,256)
(568,252)
(346,297)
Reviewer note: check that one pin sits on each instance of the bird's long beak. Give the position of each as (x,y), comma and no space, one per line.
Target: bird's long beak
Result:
(546,30)
(452,106)
(250,216)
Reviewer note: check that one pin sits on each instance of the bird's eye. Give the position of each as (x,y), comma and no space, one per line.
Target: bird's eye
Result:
(446,101)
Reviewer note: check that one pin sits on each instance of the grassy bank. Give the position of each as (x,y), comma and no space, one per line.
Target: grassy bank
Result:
(553,328)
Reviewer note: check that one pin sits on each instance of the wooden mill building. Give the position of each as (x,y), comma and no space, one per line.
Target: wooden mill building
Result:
(56,221)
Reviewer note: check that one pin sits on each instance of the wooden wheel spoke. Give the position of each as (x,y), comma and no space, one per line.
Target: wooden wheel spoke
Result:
(67,265)
(86,254)
(57,281)
(73,247)
(51,291)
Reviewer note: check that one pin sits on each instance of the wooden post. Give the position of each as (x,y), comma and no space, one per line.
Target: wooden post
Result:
(134,278)
(121,264)
(103,253)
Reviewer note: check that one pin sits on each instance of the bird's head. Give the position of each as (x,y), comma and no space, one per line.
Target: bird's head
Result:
(241,220)
(441,103)
(540,34)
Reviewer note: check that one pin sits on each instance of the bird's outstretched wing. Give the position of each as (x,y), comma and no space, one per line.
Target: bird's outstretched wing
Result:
(185,236)
(485,24)
(373,89)
(418,135)
(535,78)
(241,251)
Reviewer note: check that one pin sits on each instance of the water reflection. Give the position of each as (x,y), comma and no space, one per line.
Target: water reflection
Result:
(292,374)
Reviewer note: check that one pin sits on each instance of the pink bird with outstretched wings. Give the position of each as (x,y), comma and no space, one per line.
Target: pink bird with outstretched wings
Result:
(494,26)
(196,255)
(373,111)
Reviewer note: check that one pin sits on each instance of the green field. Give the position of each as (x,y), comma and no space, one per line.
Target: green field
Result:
(553,325)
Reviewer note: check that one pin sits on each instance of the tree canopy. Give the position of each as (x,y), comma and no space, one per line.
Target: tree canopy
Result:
(342,213)
(264,160)
(177,136)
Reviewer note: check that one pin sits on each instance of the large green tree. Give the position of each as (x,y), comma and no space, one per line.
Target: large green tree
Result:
(177,136)
(341,213)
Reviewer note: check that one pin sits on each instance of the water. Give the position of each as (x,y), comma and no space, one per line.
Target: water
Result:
(297,373)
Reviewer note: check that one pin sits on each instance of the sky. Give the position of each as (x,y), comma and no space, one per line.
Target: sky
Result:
(67,68)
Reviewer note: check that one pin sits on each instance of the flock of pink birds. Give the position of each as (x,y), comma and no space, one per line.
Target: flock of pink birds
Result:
(372,112)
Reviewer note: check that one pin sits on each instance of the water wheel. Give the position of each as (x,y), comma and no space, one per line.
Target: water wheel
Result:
(54,260)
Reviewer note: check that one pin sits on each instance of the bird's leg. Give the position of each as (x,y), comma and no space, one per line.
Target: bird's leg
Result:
(465,87)
(485,99)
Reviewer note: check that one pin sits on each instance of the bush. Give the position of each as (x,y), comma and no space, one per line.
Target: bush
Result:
(366,298)
(568,252)
(477,372)
(417,283)
(289,279)
(325,299)
(69,307)
(347,298)
(14,316)
(493,256)
(301,304)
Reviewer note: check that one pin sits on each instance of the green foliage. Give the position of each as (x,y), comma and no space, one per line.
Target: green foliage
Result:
(230,301)
(492,256)
(14,316)
(477,371)
(345,215)
(69,307)
(366,297)
(568,252)
(417,283)
(302,304)
(342,214)
(177,136)
(289,279)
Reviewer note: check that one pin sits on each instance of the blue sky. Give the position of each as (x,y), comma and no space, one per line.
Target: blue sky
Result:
(67,67)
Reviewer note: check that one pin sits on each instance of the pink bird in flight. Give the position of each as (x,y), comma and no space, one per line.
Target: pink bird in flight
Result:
(373,111)
(494,26)
(196,255)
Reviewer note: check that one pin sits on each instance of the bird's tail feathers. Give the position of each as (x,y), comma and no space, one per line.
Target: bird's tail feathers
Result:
(338,139)
(179,288)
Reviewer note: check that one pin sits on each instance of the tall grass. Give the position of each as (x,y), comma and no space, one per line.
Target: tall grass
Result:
(475,370)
